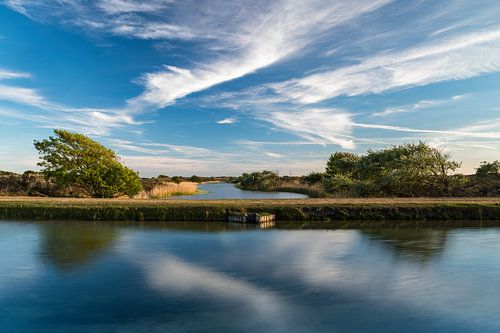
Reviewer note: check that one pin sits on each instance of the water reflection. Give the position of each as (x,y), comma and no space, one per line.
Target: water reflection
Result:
(69,245)
(199,277)
(415,244)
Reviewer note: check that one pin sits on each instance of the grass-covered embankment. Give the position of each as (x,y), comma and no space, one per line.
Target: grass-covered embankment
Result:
(352,211)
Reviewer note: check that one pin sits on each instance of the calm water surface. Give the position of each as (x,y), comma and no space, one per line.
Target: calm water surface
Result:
(230,191)
(82,277)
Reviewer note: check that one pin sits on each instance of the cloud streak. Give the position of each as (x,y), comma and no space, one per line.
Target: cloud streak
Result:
(456,58)
(423,104)
(5,74)
(258,41)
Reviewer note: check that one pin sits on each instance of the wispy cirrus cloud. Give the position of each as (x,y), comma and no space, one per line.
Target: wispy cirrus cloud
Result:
(113,7)
(460,57)
(245,37)
(156,148)
(5,74)
(22,95)
(227,121)
(316,125)
(423,104)
(29,105)
(257,41)
(475,131)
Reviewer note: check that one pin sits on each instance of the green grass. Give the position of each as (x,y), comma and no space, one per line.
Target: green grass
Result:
(341,213)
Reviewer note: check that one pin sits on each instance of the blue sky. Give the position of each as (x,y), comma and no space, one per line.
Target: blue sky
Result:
(224,87)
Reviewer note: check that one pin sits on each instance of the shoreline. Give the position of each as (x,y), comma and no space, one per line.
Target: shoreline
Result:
(337,212)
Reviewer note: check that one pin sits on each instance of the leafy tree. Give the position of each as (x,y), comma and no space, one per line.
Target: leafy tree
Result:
(72,159)
(264,180)
(486,169)
(404,170)
(409,169)
(342,163)
(314,177)
(177,179)
(340,184)
(196,179)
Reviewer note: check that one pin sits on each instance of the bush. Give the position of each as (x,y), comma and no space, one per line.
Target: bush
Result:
(486,169)
(314,177)
(404,170)
(72,159)
(261,181)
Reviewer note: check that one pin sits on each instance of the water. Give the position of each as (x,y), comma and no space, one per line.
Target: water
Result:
(85,277)
(230,191)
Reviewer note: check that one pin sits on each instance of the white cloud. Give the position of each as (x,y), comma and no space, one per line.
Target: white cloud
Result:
(227,121)
(5,74)
(274,155)
(113,7)
(145,30)
(23,96)
(221,164)
(256,42)
(424,104)
(316,125)
(460,132)
(246,36)
(454,58)
(52,115)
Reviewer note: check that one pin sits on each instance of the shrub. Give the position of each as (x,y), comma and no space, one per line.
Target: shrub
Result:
(72,159)
(486,169)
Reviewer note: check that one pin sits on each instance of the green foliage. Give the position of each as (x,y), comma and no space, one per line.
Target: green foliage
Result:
(342,163)
(262,181)
(314,177)
(338,184)
(177,179)
(72,159)
(404,170)
(196,179)
(488,168)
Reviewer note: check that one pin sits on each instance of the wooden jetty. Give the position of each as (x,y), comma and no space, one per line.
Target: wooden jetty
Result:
(257,218)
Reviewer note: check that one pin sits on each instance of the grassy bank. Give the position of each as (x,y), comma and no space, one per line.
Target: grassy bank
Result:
(342,212)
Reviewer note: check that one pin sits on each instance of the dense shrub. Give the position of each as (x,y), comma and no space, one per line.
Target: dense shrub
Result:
(404,170)
(72,159)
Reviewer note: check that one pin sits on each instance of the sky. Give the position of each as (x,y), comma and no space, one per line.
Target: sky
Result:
(224,87)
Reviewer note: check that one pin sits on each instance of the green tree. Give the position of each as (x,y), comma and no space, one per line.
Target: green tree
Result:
(342,163)
(488,168)
(410,170)
(196,179)
(265,180)
(314,177)
(177,179)
(403,170)
(72,159)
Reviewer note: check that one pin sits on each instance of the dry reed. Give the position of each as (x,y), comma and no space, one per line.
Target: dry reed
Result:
(169,189)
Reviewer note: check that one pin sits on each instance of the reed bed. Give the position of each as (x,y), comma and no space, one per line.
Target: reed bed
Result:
(169,189)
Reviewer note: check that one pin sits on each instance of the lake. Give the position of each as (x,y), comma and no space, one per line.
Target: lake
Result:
(199,277)
(230,191)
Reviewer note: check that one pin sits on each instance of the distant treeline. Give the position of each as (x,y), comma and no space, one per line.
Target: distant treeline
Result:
(409,170)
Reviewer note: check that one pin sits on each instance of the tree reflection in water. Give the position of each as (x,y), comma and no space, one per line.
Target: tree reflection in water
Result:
(69,245)
(420,245)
